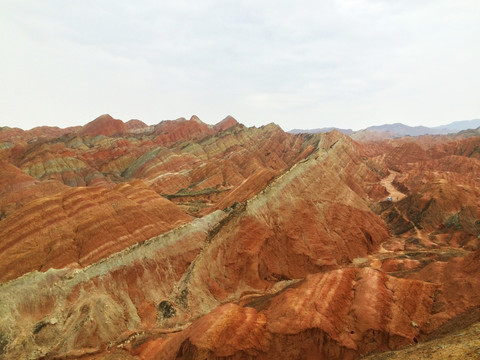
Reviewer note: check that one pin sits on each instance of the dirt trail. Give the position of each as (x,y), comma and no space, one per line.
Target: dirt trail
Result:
(393,192)
(397,195)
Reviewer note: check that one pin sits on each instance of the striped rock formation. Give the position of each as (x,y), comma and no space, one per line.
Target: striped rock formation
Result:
(184,240)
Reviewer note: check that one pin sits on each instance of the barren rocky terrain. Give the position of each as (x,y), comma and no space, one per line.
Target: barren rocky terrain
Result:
(184,240)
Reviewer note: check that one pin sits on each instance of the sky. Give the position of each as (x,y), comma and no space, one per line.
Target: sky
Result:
(300,64)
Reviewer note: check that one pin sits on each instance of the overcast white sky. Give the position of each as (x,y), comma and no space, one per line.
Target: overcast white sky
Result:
(300,64)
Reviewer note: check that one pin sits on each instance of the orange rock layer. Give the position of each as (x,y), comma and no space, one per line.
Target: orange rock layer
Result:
(185,240)
(81,226)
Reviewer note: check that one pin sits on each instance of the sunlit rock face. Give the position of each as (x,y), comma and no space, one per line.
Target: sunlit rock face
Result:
(183,240)
(331,315)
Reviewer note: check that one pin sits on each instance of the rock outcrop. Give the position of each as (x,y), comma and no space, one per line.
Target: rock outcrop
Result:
(225,124)
(333,315)
(80,226)
(103,125)
(187,240)
(75,312)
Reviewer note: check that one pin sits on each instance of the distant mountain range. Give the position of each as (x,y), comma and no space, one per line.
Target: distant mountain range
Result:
(398,129)
(321,130)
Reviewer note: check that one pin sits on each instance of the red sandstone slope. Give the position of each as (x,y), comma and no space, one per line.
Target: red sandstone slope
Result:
(63,236)
(18,189)
(135,125)
(274,237)
(56,161)
(74,312)
(171,131)
(197,174)
(333,315)
(78,227)
(103,125)
(219,168)
(302,259)
(441,181)
(38,219)
(15,135)
(249,250)
(225,124)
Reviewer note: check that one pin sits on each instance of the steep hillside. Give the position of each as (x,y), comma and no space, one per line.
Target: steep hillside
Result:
(121,191)
(187,240)
(103,125)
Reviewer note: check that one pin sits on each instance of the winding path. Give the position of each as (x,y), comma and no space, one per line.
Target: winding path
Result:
(393,192)
(396,196)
